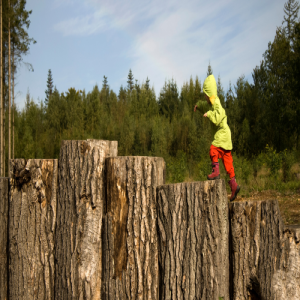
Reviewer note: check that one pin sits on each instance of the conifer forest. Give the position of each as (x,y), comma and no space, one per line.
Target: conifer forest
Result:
(263,116)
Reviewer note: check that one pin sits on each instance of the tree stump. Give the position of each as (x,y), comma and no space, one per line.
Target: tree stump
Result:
(130,253)
(265,255)
(4,195)
(193,231)
(32,217)
(81,193)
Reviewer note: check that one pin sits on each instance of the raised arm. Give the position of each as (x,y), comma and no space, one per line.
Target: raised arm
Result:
(202,106)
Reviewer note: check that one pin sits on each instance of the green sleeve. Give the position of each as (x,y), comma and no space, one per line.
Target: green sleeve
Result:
(203,106)
(217,114)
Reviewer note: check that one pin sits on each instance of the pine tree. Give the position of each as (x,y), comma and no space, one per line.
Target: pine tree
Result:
(49,89)
(130,81)
(104,85)
(197,90)
(209,70)
(221,93)
(147,83)
(291,8)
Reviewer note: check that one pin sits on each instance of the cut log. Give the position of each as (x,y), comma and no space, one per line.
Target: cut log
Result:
(193,224)
(265,255)
(32,216)
(130,253)
(4,196)
(81,193)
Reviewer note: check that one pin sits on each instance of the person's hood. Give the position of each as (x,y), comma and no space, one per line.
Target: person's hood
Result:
(210,88)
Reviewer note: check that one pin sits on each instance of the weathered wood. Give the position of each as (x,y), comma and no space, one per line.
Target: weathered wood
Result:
(4,196)
(130,253)
(32,216)
(81,193)
(265,255)
(193,224)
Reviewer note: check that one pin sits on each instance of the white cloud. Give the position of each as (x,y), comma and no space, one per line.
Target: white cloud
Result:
(178,39)
(81,26)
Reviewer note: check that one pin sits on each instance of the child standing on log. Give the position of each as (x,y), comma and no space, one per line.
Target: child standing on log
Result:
(222,145)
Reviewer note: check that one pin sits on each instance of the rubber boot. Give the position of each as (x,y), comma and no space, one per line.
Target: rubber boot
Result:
(215,172)
(235,188)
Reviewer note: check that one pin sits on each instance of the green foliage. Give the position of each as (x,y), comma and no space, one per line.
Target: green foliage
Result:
(205,168)
(49,89)
(273,160)
(177,168)
(243,168)
(288,160)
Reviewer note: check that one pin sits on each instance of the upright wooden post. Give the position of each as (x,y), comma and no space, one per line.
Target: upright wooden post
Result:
(81,194)
(4,199)
(193,226)
(32,217)
(130,253)
(265,254)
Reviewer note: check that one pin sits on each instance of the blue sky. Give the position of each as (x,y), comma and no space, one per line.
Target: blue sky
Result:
(83,40)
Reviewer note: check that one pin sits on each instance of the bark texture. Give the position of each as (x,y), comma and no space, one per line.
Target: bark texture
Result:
(130,260)
(81,194)
(32,216)
(4,190)
(265,255)
(193,224)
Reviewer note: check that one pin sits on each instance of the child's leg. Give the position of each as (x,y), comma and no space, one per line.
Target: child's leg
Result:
(228,163)
(214,156)
(214,153)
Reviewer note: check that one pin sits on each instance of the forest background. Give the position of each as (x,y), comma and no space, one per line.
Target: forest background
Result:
(263,116)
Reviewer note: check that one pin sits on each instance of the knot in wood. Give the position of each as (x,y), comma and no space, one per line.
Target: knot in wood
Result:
(84,148)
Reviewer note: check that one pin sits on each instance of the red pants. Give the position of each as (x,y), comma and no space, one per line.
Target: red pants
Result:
(216,153)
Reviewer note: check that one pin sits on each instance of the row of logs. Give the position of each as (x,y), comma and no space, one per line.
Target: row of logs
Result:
(92,225)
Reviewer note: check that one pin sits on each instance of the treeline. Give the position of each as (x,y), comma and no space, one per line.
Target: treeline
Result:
(266,112)
(14,43)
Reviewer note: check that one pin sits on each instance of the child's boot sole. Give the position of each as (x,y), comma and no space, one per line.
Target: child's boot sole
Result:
(236,192)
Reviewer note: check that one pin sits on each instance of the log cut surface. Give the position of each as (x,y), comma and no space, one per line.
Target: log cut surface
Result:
(32,216)
(193,226)
(265,255)
(130,264)
(81,194)
(4,189)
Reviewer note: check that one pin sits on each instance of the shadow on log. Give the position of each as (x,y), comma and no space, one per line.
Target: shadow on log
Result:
(130,254)
(81,193)
(265,255)
(4,196)
(32,216)
(193,231)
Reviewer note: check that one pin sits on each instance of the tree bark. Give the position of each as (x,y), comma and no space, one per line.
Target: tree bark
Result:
(193,231)
(9,93)
(81,194)
(32,217)
(1,94)
(130,253)
(4,194)
(13,103)
(265,255)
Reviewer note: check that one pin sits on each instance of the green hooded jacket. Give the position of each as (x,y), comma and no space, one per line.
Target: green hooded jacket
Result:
(216,114)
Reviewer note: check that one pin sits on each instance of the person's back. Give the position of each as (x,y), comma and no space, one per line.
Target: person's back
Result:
(222,145)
